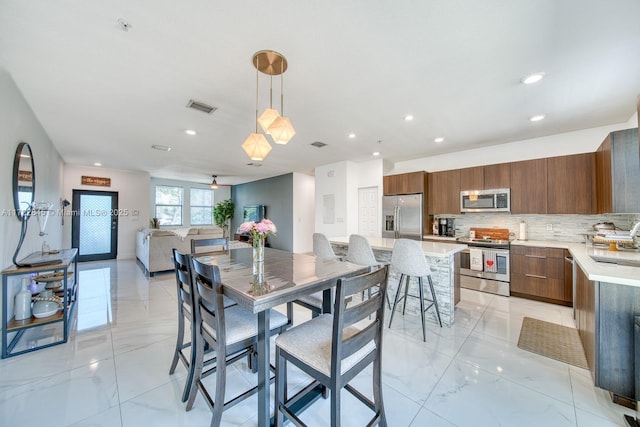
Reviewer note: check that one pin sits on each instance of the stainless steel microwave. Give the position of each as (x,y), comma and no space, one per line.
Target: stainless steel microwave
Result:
(496,200)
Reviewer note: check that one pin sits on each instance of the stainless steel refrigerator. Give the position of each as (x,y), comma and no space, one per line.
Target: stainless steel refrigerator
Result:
(402,216)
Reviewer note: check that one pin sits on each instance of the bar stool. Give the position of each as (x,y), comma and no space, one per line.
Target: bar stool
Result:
(408,259)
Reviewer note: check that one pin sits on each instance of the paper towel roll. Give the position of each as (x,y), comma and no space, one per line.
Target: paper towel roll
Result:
(523,230)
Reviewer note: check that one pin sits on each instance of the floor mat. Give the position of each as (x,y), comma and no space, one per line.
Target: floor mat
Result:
(552,340)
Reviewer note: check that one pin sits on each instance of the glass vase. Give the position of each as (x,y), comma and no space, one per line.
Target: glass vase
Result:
(258,251)
(259,284)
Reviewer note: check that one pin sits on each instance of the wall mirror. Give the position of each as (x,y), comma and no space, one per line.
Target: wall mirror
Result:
(24,179)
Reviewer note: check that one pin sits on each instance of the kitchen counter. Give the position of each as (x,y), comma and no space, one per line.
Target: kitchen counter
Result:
(434,249)
(440,238)
(444,260)
(608,272)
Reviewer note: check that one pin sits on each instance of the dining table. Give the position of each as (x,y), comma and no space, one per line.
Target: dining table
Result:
(284,277)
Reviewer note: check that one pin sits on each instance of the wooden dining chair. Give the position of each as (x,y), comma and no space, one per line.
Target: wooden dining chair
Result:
(182,263)
(231,333)
(334,348)
(221,242)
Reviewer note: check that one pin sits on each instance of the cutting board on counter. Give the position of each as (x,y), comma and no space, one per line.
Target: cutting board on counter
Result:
(491,233)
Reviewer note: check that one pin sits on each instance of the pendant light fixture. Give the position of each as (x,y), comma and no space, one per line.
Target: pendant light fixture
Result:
(256,145)
(273,123)
(269,115)
(214,183)
(281,130)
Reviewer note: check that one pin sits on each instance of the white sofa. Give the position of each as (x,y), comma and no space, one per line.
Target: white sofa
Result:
(153,246)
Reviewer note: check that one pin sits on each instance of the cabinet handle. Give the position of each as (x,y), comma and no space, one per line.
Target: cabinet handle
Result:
(535,256)
(536,276)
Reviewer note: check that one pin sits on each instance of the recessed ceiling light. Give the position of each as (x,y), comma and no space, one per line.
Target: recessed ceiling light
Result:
(97,164)
(439,139)
(190,132)
(161,147)
(532,78)
(376,153)
(352,135)
(408,118)
(537,117)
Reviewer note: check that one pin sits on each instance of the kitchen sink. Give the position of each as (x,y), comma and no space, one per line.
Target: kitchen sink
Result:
(617,261)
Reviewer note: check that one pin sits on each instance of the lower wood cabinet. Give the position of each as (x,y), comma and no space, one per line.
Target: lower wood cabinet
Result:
(606,318)
(539,273)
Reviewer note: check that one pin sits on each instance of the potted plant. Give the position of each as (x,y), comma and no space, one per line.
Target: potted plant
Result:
(222,215)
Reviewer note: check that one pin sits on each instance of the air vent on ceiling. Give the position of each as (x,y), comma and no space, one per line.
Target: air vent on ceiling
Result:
(255,165)
(161,147)
(200,106)
(318,144)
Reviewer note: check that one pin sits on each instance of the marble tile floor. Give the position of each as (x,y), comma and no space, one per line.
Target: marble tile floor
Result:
(114,369)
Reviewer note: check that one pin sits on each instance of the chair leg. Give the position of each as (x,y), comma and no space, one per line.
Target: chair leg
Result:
(198,365)
(192,365)
(280,398)
(335,407)
(179,343)
(421,291)
(435,300)
(377,391)
(221,382)
(406,293)
(395,300)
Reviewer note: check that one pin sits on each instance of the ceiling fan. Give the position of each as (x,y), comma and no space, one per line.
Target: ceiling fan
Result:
(214,183)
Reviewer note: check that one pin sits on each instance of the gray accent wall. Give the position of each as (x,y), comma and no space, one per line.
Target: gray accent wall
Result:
(277,195)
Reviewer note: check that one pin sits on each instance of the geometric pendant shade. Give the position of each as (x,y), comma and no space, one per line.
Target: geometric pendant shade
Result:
(281,130)
(267,118)
(257,147)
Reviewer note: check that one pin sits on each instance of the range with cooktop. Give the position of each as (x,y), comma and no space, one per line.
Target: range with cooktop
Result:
(484,265)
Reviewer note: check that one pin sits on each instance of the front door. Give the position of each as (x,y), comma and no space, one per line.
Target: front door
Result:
(94,226)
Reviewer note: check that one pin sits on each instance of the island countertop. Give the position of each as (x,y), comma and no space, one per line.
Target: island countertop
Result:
(434,249)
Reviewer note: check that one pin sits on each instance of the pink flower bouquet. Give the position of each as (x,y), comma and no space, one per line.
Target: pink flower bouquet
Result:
(259,230)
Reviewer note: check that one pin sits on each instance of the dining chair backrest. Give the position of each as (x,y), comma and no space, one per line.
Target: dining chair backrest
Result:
(217,241)
(408,258)
(209,300)
(348,312)
(182,264)
(322,247)
(360,251)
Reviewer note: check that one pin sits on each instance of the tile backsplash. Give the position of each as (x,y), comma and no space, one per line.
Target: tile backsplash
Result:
(563,228)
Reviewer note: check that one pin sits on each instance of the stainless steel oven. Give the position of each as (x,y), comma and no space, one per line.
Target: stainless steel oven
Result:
(484,266)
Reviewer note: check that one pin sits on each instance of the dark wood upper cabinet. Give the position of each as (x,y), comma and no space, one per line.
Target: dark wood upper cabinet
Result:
(486,177)
(618,173)
(571,185)
(405,183)
(444,192)
(472,178)
(529,187)
(497,176)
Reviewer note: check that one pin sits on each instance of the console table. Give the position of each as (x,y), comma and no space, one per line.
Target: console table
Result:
(66,262)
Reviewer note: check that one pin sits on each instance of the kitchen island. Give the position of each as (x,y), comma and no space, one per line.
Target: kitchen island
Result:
(444,259)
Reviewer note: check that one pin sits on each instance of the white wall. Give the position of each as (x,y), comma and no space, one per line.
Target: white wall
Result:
(18,123)
(582,141)
(343,179)
(303,212)
(133,193)
(331,181)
